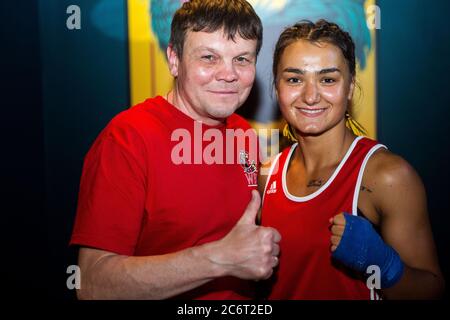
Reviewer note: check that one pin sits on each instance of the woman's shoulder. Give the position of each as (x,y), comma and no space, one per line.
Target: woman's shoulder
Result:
(389,165)
(388,171)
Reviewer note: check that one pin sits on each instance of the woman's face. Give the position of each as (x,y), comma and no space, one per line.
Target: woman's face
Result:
(313,86)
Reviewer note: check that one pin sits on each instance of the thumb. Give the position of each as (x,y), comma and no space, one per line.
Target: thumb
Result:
(251,211)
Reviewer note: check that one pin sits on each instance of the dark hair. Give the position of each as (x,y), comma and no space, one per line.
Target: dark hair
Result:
(234,16)
(321,31)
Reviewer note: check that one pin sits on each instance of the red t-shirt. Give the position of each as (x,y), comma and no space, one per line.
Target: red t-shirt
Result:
(137,197)
(306,269)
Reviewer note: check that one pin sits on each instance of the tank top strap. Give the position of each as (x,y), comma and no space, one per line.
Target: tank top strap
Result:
(366,148)
(348,180)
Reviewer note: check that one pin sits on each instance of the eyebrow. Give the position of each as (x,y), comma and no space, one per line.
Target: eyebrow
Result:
(245,53)
(302,72)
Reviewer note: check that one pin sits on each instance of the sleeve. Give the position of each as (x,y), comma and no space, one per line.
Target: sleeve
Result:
(112,192)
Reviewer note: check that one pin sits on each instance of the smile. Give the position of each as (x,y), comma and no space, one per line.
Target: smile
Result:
(223,92)
(312,112)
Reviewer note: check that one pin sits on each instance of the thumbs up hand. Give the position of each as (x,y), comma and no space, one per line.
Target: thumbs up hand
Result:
(249,251)
(250,213)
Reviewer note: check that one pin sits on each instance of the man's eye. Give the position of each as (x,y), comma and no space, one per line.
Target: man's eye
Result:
(208,57)
(242,60)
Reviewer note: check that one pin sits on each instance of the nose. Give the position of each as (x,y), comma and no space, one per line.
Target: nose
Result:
(311,95)
(226,72)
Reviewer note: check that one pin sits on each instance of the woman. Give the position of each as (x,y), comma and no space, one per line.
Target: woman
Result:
(343,204)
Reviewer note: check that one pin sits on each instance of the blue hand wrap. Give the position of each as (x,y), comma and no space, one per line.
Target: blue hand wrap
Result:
(361,247)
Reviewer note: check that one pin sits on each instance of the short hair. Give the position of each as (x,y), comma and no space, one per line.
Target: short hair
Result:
(234,16)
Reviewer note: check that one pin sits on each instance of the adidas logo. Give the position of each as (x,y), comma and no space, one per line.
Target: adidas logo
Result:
(272,188)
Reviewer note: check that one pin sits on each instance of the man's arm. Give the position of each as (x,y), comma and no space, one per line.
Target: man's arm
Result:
(106,275)
(247,251)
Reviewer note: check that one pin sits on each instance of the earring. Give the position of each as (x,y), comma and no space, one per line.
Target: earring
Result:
(287,132)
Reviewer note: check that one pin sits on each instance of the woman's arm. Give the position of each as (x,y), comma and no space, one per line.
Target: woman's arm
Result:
(399,197)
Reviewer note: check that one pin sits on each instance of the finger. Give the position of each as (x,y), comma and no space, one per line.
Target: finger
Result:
(269,274)
(249,215)
(276,235)
(337,230)
(269,235)
(339,219)
(335,240)
(333,248)
(275,262)
(275,250)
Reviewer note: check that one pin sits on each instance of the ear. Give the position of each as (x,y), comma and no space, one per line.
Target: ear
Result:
(173,61)
(351,90)
(275,89)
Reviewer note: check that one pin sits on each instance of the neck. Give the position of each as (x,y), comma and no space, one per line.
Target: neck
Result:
(324,150)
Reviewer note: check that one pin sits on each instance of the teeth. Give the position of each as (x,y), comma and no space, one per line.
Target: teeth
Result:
(312,111)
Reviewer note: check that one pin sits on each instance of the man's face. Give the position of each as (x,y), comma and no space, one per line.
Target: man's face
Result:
(214,76)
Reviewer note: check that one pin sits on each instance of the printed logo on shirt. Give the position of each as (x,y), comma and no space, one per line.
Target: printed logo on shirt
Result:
(250,169)
(272,188)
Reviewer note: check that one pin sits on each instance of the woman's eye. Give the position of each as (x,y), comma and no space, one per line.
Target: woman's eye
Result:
(328,81)
(293,80)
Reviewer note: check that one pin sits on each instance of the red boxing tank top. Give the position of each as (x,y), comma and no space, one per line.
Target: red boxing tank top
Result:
(306,269)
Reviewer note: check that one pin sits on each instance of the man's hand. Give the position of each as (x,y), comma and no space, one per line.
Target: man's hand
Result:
(249,251)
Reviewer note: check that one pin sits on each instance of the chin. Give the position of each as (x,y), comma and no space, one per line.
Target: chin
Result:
(311,131)
(223,112)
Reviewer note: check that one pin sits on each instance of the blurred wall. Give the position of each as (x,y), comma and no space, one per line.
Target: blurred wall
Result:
(414,100)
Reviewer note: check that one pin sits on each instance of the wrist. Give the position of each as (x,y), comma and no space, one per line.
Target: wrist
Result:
(210,254)
(393,269)
(361,246)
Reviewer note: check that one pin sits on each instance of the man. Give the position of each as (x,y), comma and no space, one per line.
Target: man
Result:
(160,216)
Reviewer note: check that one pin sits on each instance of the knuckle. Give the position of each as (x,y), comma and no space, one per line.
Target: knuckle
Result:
(270,234)
(276,250)
(335,239)
(261,272)
(275,261)
(267,249)
(268,274)
(266,234)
